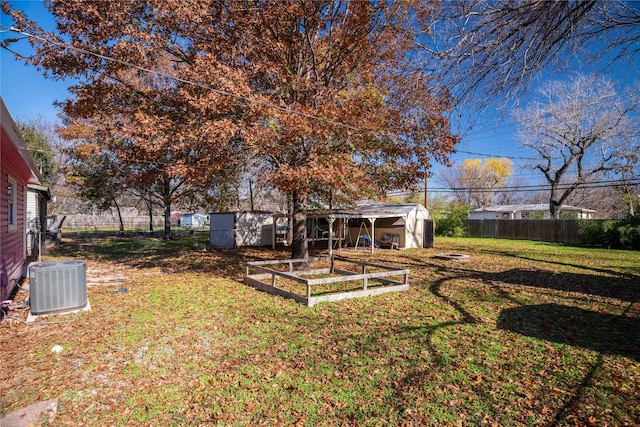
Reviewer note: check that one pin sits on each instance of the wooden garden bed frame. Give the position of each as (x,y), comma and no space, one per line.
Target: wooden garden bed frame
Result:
(257,271)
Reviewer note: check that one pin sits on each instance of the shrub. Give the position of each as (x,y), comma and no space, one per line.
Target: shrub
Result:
(451,224)
(630,236)
(610,236)
(589,231)
(610,233)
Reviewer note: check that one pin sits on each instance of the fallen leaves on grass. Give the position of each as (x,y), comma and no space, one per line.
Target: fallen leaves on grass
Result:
(189,344)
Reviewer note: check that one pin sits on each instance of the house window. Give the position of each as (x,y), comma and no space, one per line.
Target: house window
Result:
(12,205)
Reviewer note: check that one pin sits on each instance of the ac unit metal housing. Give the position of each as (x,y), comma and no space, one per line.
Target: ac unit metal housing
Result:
(58,286)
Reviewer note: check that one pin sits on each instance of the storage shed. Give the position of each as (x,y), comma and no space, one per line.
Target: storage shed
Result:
(241,228)
(400,226)
(192,220)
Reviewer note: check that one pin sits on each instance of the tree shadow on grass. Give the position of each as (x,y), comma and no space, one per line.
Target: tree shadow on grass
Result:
(185,253)
(623,288)
(600,332)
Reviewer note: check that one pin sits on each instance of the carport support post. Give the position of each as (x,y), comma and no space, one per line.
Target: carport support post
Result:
(274,232)
(313,230)
(331,220)
(373,234)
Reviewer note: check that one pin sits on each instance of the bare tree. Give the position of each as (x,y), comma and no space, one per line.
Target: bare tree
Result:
(580,129)
(485,49)
(475,182)
(512,193)
(606,199)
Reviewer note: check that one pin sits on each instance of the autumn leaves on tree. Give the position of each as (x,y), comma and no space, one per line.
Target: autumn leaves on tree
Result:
(321,95)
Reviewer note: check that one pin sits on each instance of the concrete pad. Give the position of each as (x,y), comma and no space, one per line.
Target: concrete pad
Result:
(36,414)
(31,318)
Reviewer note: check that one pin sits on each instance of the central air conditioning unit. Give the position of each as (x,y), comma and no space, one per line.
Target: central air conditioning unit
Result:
(58,286)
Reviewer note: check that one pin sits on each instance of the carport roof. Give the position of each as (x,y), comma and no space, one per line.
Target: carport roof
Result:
(372,211)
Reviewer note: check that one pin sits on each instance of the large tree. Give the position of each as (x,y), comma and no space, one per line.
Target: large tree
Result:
(130,66)
(349,64)
(476,182)
(580,129)
(97,176)
(494,49)
(323,93)
(39,137)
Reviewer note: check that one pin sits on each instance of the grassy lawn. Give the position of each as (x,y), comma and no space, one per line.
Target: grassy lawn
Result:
(524,333)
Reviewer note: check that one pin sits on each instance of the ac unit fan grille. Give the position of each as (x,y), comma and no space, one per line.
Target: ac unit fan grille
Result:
(58,286)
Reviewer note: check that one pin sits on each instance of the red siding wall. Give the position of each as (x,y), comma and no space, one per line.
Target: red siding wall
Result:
(12,249)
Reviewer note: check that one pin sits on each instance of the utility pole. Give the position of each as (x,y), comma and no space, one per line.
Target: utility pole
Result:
(251,192)
(426,186)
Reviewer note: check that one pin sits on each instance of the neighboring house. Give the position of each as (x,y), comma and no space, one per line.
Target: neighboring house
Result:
(36,222)
(529,211)
(17,171)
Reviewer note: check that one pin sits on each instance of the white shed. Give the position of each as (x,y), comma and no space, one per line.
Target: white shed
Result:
(407,221)
(240,228)
(399,226)
(192,220)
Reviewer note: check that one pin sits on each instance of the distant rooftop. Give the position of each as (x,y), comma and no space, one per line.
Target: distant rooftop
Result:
(532,207)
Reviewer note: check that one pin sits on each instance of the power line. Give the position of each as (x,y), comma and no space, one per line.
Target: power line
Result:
(243,98)
(530,188)
(492,155)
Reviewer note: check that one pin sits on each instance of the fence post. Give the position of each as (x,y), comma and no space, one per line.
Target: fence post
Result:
(364,281)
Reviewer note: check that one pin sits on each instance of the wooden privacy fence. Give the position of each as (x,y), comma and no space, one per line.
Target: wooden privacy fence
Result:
(545,230)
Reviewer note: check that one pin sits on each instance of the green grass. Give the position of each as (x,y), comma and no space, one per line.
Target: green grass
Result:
(524,333)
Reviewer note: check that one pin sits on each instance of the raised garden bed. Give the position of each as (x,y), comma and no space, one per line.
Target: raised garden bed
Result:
(313,280)
(453,257)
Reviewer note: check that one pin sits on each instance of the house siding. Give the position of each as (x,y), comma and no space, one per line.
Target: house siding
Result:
(33,209)
(11,241)
(18,167)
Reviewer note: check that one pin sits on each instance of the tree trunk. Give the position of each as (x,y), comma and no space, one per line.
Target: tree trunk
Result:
(554,208)
(554,204)
(121,226)
(167,211)
(150,209)
(289,219)
(299,244)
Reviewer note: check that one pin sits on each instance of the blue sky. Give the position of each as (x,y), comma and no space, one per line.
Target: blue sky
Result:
(25,91)
(28,94)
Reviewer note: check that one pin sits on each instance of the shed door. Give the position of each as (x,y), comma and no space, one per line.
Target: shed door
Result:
(222,230)
(429,233)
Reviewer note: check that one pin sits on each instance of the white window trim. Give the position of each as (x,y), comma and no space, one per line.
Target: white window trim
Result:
(12,207)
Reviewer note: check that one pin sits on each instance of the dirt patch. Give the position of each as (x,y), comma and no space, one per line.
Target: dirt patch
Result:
(37,414)
(105,275)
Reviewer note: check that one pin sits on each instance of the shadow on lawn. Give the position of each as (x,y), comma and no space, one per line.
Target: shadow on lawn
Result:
(625,288)
(601,332)
(184,253)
